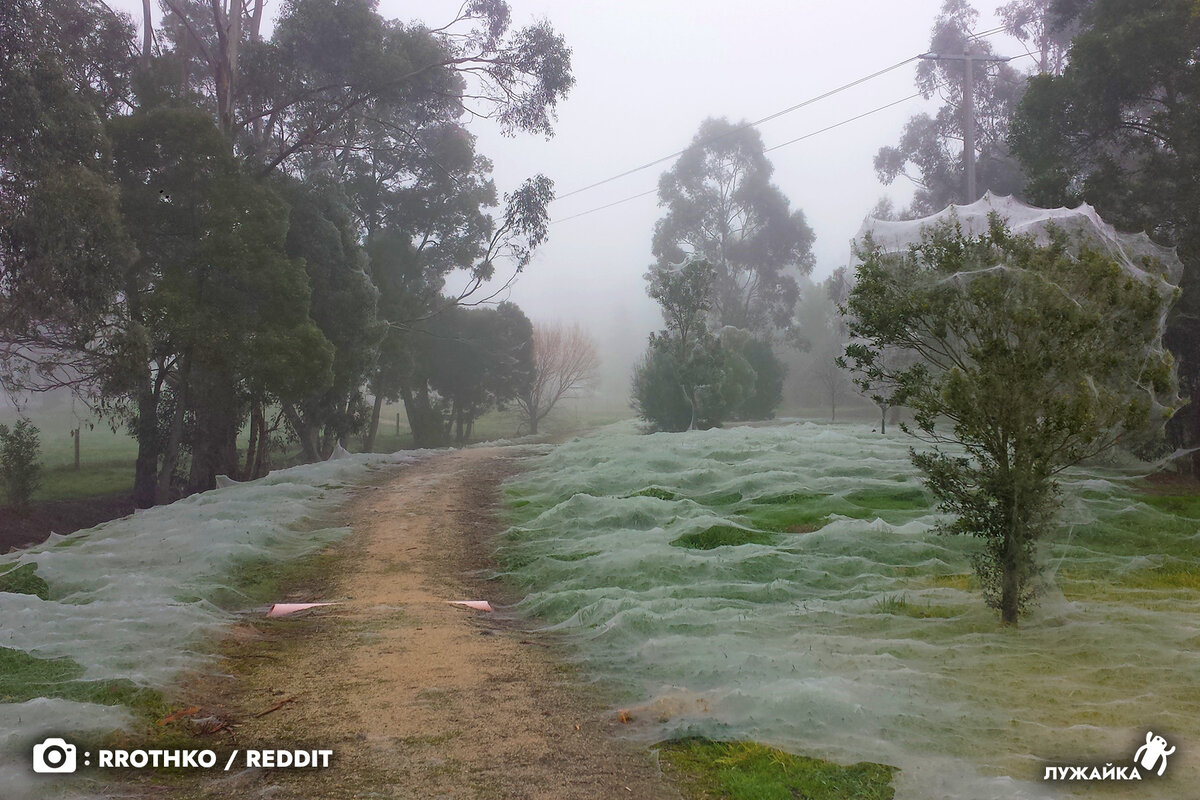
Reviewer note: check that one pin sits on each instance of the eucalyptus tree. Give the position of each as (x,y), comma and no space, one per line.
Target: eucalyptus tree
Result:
(721,206)
(214,315)
(64,67)
(930,151)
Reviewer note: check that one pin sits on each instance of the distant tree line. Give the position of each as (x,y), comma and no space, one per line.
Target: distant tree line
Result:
(211,232)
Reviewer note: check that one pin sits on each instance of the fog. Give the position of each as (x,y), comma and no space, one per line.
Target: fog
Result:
(646,75)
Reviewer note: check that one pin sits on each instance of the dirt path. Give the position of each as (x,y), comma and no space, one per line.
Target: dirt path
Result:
(418,698)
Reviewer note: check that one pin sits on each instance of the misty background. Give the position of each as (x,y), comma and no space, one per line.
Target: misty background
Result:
(647,74)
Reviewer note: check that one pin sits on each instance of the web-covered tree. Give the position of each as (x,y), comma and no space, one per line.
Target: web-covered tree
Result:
(1119,129)
(1029,359)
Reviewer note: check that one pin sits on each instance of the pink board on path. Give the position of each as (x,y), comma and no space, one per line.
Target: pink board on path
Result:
(478,605)
(283,609)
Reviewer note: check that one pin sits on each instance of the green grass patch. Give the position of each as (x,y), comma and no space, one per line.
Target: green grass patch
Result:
(963,581)
(722,536)
(719,499)
(1183,505)
(708,770)
(796,512)
(24,677)
(789,499)
(262,580)
(1176,575)
(890,500)
(658,492)
(24,580)
(575,556)
(91,480)
(900,605)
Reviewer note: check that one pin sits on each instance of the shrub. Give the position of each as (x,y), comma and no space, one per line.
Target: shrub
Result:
(20,464)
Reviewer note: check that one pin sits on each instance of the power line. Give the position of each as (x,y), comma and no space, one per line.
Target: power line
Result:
(769,117)
(844,122)
(855,118)
(766,150)
(744,126)
(601,208)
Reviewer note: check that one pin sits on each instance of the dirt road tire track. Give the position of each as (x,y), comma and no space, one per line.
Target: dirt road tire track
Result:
(421,699)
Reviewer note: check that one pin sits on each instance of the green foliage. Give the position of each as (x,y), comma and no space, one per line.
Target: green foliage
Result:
(342,304)
(1036,357)
(722,536)
(722,207)
(749,771)
(473,360)
(767,391)
(24,580)
(1119,129)
(63,65)
(20,463)
(690,378)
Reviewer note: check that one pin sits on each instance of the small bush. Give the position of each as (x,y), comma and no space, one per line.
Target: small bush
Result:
(20,463)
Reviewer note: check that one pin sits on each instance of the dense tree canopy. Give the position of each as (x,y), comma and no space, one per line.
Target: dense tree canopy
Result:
(225,223)
(1026,360)
(1120,129)
(722,207)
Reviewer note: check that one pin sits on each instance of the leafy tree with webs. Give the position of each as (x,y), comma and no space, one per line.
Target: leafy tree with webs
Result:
(1030,358)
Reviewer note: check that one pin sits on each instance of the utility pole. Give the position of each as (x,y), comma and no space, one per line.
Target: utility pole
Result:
(968,109)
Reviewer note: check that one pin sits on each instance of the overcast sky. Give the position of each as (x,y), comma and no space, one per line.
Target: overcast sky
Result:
(648,72)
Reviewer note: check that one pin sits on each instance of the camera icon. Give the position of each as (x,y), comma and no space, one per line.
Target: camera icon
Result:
(54,756)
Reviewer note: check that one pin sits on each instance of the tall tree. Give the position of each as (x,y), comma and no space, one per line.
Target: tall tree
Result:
(1120,129)
(722,207)
(930,151)
(214,314)
(64,66)
(322,233)
(481,358)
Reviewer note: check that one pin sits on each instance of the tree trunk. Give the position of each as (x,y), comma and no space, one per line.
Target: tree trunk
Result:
(145,476)
(373,427)
(310,448)
(162,492)
(883,419)
(147,34)
(1010,588)
(170,450)
(229,40)
(458,426)
(214,451)
(424,423)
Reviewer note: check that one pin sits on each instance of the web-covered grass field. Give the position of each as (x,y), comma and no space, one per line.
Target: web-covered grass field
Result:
(786,585)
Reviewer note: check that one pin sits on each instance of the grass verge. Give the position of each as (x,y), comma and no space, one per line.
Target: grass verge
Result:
(708,770)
